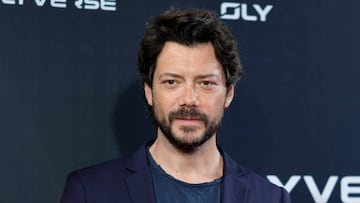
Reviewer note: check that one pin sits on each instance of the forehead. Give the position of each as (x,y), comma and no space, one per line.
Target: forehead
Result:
(188,60)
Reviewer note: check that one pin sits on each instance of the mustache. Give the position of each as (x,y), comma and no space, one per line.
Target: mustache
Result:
(189,113)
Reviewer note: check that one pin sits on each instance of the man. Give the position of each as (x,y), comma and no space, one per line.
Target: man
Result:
(189,65)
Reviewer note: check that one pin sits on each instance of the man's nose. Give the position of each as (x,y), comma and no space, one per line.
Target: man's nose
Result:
(190,96)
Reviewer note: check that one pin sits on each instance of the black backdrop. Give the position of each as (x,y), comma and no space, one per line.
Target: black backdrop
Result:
(70,95)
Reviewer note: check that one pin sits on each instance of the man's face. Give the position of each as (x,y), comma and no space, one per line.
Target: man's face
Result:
(188,95)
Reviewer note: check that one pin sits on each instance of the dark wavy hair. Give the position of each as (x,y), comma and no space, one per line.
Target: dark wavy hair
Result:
(189,27)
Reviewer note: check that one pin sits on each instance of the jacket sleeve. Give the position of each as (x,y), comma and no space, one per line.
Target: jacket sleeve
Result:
(74,190)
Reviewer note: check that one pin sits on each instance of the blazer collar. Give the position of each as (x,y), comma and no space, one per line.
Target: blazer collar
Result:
(140,185)
(235,189)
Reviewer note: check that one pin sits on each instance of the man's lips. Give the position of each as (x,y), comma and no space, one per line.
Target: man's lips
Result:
(189,121)
(188,118)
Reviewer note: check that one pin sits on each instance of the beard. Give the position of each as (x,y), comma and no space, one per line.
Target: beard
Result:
(187,145)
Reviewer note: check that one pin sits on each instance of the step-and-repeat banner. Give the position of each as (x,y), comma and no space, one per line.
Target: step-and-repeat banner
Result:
(70,95)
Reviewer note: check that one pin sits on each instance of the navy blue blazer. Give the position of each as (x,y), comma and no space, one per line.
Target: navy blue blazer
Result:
(129,180)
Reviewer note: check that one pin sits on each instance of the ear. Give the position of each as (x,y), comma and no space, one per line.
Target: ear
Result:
(229,96)
(148,93)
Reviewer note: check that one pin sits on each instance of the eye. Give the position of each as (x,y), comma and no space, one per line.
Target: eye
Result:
(170,83)
(206,84)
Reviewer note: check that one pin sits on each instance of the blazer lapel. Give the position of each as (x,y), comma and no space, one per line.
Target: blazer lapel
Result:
(139,184)
(235,190)
(140,188)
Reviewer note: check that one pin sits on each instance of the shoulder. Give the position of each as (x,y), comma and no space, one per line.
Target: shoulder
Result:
(257,182)
(235,170)
(258,188)
(111,171)
(104,180)
(101,170)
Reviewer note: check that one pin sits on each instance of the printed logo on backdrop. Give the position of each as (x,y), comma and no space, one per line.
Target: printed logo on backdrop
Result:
(349,187)
(104,5)
(245,12)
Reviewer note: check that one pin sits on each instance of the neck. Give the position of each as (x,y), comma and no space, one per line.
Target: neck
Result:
(204,164)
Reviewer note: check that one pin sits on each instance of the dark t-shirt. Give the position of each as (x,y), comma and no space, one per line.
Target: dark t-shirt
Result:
(170,190)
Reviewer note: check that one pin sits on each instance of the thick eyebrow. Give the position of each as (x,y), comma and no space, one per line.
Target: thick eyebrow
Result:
(203,76)
(211,75)
(173,75)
